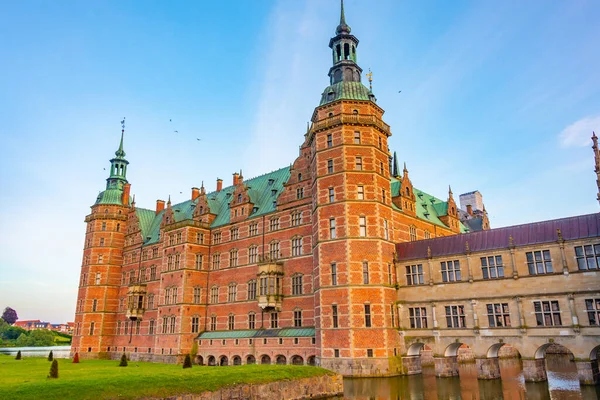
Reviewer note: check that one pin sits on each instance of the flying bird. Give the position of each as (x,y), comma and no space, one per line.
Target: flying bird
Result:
(176,131)
(169,119)
(198,139)
(399,91)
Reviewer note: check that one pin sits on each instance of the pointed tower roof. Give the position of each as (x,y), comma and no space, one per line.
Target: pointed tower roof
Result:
(117,177)
(342,27)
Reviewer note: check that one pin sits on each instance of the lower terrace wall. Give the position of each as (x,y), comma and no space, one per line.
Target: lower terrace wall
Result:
(318,387)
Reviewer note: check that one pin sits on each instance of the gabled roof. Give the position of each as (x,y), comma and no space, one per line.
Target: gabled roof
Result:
(578,227)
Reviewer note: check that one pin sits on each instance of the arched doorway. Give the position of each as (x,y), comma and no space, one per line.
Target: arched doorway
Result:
(297,360)
(312,360)
(265,359)
(212,361)
(199,360)
(237,360)
(224,361)
(280,360)
(250,359)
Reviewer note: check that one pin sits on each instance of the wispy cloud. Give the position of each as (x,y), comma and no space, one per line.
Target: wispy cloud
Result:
(578,133)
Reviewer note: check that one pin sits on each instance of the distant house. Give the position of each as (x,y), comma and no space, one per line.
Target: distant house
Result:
(34,324)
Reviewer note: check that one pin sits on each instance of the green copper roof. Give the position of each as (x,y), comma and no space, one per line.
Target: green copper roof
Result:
(145,217)
(110,196)
(258,333)
(429,208)
(346,91)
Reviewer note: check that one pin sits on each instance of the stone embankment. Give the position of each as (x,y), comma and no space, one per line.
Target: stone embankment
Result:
(318,387)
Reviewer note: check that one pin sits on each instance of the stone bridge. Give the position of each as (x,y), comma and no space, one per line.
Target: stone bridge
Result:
(532,345)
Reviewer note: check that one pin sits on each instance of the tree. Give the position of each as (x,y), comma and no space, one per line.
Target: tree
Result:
(50,356)
(123,362)
(187,363)
(76,358)
(53,370)
(18,357)
(10,315)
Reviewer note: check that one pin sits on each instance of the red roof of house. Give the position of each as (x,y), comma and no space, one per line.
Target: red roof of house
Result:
(26,322)
(578,227)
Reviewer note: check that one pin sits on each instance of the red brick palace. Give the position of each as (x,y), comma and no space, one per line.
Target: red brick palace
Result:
(294,266)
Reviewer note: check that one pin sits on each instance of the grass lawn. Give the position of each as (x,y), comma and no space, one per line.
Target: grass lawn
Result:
(104,379)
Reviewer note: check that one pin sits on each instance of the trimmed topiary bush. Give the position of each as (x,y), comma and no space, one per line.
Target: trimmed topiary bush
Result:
(187,363)
(53,370)
(76,358)
(123,362)
(18,357)
(51,356)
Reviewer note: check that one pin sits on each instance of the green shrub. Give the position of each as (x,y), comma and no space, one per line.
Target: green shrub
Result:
(51,356)
(187,363)
(123,362)
(76,358)
(18,357)
(54,370)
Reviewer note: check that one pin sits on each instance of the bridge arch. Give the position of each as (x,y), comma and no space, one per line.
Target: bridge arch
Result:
(415,349)
(595,353)
(452,349)
(540,353)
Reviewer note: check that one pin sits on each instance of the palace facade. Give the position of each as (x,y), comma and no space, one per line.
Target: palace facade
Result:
(337,260)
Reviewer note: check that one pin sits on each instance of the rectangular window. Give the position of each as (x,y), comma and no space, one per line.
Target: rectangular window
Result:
(361,193)
(329,166)
(235,234)
(297,247)
(539,262)
(169,262)
(296,218)
(299,193)
(297,285)
(178,237)
(213,323)
(274,250)
(273,224)
(356,137)
(588,256)
(177,261)
(100,258)
(592,307)
(390,275)
(393,315)
(252,254)
(150,302)
(94,305)
(383,195)
(332,228)
(164,325)
(547,313)
(412,233)
(252,290)
(297,318)
(216,237)
(92,328)
(333,274)
(199,259)
(101,241)
(153,272)
(334,316)
(362,221)
(359,165)
(197,295)
(498,315)
(455,316)
(414,275)
(336,353)
(365,272)
(98,278)
(450,271)
(492,267)
(329,140)
(386,232)
(214,295)
(274,320)
(369,352)
(417,317)
(151,327)
(232,293)
(233,258)
(254,229)
(331,195)
(231,322)
(216,261)
(263,286)
(200,238)
(195,324)
(368,315)
(251,321)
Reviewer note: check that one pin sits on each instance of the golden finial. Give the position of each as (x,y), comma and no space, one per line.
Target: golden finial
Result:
(370,76)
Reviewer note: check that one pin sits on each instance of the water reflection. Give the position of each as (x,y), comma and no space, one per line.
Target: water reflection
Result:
(562,384)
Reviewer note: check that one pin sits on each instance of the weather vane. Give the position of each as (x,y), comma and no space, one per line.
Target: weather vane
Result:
(370,76)
(123,125)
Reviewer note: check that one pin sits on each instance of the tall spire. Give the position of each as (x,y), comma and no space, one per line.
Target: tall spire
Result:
(342,27)
(396,169)
(118,165)
(597,162)
(121,153)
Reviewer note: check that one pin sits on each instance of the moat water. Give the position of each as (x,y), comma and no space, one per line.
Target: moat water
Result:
(57,351)
(562,384)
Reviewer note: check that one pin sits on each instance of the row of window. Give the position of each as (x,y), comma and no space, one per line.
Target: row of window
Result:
(362,228)
(391,274)
(492,267)
(547,313)
(356,139)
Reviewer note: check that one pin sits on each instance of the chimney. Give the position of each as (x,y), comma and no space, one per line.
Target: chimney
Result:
(219,184)
(195,193)
(236,178)
(125,197)
(160,205)
(470,209)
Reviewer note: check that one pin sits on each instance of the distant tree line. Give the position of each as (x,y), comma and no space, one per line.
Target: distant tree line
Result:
(11,336)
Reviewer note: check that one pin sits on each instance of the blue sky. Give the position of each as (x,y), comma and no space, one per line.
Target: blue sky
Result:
(501,97)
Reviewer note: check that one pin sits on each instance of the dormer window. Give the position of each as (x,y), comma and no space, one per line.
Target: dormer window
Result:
(271,181)
(239,198)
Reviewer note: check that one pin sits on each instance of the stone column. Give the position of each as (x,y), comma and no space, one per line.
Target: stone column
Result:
(412,365)
(520,313)
(587,371)
(511,246)
(445,366)
(561,243)
(429,266)
(488,368)
(435,323)
(475,317)
(534,370)
(573,310)
(468,254)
